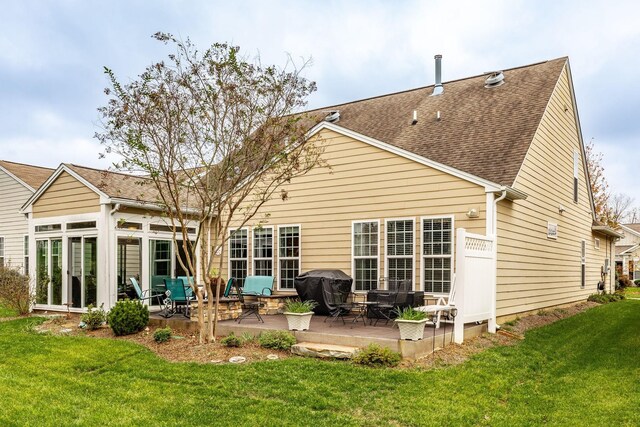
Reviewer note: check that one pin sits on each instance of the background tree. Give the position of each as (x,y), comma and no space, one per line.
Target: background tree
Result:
(217,137)
(611,208)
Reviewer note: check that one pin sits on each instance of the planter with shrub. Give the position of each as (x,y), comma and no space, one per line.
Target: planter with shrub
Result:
(298,314)
(411,323)
(128,317)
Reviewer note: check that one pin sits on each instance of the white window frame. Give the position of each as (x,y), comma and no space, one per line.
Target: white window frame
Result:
(354,257)
(413,250)
(229,259)
(253,246)
(552,230)
(422,256)
(2,251)
(583,263)
(596,243)
(279,258)
(575,187)
(25,253)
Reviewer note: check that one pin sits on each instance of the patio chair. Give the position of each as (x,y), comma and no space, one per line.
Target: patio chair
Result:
(444,305)
(147,295)
(257,285)
(249,306)
(187,281)
(227,289)
(176,293)
(339,302)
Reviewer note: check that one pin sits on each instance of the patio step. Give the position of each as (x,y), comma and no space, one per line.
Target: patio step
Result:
(313,349)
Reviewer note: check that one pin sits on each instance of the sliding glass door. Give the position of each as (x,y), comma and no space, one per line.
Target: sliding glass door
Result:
(83,268)
(49,271)
(129,266)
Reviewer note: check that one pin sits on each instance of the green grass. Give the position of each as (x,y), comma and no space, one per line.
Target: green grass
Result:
(632,292)
(7,312)
(578,371)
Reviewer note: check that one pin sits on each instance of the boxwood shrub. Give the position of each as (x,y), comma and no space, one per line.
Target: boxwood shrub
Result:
(128,317)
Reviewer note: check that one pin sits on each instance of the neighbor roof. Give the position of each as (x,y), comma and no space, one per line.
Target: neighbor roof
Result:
(634,227)
(482,131)
(33,176)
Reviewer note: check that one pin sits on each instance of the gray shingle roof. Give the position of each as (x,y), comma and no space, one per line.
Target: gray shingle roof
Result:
(482,131)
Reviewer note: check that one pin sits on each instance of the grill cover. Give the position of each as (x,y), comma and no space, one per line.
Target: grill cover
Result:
(310,285)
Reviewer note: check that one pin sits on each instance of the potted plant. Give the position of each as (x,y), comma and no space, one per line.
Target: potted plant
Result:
(411,323)
(298,314)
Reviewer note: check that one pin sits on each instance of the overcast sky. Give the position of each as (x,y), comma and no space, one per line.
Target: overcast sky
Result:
(52,55)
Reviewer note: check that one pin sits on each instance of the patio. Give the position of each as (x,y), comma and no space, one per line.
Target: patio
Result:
(335,333)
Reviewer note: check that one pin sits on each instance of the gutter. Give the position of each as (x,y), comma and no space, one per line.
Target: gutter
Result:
(607,231)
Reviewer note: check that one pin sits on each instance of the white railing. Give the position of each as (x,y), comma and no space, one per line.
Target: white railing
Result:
(475,281)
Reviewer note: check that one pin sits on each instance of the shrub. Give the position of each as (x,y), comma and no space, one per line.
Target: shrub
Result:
(278,340)
(295,306)
(409,313)
(375,356)
(623,282)
(232,340)
(605,298)
(128,317)
(94,318)
(162,334)
(15,292)
(636,282)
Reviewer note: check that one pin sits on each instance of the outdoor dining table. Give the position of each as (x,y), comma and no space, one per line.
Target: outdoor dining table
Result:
(363,310)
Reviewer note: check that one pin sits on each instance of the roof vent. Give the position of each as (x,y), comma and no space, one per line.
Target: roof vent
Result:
(494,79)
(333,116)
(438,88)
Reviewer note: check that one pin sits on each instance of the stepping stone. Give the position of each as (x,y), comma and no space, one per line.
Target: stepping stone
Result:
(311,349)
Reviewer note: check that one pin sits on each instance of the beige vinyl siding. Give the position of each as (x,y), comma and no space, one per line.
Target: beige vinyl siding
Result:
(13,224)
(365,183)
(534,271)
(66,196)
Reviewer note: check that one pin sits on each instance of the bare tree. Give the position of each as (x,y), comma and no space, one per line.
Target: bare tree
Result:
(632,216)
(619,205)
(218,136)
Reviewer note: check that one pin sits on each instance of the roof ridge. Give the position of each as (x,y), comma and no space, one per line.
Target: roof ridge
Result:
(320,109)
(27,164)
(106,171)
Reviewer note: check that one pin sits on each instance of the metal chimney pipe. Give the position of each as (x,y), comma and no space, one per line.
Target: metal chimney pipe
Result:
(438,89)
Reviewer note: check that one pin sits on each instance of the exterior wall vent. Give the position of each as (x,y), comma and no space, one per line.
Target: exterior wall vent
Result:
(333,116)
(494,79)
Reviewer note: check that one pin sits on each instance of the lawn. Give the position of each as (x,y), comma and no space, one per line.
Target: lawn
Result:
(578,371)
(633,292)
(7,312)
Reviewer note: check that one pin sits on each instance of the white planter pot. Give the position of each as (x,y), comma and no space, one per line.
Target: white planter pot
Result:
(298,321)
(412,330)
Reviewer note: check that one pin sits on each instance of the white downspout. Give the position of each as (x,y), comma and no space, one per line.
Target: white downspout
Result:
(492,324)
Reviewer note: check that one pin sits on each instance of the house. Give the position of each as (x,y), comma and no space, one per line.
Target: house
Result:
(497,155)
(93,230)
(628,251)
(18,182)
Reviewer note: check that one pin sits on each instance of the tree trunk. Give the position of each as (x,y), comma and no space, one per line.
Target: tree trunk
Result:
(210,335)
(199,298)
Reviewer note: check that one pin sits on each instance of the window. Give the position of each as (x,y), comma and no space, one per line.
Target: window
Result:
(288,255)
(400,244)
(169,229)
(25,250)
(124,225)
(365,255)
(81,225)
(238,255)
(552,230)
(1,251)
(576,158)
(437,254)
(48,227)
(583,263)
(596,243)
(263,251)
(159,265)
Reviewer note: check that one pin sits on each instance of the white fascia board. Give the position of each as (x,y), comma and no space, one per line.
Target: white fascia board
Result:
(488,185)
(62,168)
(18,180)
(630,250)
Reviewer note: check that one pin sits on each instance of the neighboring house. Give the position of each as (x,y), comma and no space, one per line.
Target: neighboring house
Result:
(92,231)
(490,153)
(18,182)
(628,251)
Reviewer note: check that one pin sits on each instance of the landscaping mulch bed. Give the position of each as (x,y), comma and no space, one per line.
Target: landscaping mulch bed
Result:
(182,347)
